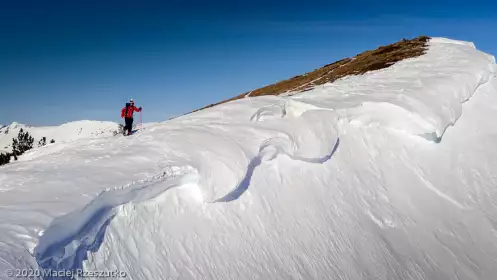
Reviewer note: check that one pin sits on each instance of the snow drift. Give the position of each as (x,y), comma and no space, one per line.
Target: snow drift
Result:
(325,184)
(423,95)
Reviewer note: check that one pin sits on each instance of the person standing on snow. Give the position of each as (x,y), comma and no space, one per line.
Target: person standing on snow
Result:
(127,114)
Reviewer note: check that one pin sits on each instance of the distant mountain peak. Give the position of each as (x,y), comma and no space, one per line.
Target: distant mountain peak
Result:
(14,125)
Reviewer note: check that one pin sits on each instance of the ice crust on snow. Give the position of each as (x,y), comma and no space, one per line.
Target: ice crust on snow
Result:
(329,183)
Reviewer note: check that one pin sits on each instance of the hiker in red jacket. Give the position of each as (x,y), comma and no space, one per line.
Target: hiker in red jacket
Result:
(127,114)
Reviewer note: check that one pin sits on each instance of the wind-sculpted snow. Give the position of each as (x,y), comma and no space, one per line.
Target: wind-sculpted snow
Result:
(421,96)
(269,151)
(282,108)
(384,206)
(317,185)
(302,133)
(70,238)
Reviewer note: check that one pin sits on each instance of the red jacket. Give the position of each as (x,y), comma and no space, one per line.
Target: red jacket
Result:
(127,112)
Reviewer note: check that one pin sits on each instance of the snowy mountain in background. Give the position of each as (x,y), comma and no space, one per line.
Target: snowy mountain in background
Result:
(64,133)
(386,175)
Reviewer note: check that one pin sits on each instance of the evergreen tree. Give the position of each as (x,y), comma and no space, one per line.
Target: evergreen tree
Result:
(15,147)
(5,158)
(120,130)
(23,143)
(42,142)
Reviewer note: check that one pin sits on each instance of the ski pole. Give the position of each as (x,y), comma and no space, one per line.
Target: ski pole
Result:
(141,120)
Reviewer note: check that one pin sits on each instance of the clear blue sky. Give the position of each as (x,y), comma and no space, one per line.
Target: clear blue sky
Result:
(70,60)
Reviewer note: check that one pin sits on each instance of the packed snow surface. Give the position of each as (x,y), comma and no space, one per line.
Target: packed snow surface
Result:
(387,175)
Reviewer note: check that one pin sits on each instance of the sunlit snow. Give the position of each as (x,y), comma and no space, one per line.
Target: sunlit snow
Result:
(387,175)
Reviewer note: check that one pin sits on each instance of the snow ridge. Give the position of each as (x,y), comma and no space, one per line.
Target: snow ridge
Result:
(304,186)
(68,240)
(269,150)
(421,96)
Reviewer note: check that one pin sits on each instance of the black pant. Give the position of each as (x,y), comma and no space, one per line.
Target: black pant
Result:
(129,125)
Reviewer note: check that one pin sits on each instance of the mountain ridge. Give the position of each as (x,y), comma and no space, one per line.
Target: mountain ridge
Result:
(370,60)
(335,182)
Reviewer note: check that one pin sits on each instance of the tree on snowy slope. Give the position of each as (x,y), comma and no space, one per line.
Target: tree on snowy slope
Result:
(42,142)
(120,130)
(4,158)
(23,143)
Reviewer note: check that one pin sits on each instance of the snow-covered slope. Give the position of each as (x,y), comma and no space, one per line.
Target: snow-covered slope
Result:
(64,133)
(360,179)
